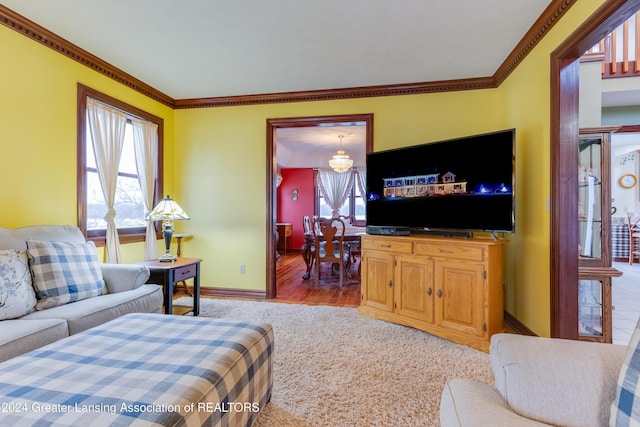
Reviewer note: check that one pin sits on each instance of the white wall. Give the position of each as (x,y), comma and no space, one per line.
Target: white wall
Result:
(624,159)
(590,94)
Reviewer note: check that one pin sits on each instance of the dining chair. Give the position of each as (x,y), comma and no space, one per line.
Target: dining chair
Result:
(354,247)
(306,224)
(328,239)
(633,223)
(309,247)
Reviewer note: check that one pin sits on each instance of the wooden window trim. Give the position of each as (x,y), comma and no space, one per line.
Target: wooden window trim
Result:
(129,235)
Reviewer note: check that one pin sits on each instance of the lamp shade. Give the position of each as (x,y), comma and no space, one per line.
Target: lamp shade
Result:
(167,209)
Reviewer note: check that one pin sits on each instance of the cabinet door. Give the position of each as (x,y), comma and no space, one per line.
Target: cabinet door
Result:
(594,309)
(460,296)
(377,280)
(594,220)
(594,200)
(414,287)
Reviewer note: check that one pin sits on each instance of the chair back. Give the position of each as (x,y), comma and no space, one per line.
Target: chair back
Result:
(306,224)
(328,236)
(633,221)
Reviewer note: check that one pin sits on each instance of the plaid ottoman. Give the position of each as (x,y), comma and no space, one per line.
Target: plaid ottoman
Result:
(143,370)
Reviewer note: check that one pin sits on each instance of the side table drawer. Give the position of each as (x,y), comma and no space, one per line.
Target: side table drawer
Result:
(184,273)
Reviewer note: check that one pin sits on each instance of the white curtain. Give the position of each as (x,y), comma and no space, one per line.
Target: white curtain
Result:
(335,188)
(107,127)
(145,143)
(361,179)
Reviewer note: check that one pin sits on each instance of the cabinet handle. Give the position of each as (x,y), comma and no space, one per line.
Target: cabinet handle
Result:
(445,251)
(439,293)
(385,246)
(429,291)
(390,283)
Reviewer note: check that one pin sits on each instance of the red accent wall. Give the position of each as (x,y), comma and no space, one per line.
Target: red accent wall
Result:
(292,211)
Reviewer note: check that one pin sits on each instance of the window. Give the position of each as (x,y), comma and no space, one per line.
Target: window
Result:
(353,206)
(128,203)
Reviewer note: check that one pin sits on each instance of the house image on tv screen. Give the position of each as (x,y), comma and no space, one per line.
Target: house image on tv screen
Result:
(423,186)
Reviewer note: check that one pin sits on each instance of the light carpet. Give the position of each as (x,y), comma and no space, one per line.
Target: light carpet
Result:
(334,367)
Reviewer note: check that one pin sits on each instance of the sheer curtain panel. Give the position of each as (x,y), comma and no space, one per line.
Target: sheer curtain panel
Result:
(335,188)
(145,143)
(107,127)
(361,179)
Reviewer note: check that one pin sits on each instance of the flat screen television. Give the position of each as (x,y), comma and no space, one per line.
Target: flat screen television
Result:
(458,185)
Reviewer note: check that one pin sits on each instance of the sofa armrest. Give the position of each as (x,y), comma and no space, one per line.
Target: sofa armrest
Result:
(555,381)
(123,277)
(467,403)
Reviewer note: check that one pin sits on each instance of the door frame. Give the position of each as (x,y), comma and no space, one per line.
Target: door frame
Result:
(272,126)
(565,81)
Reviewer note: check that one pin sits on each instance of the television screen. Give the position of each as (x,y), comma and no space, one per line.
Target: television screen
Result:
(459,184)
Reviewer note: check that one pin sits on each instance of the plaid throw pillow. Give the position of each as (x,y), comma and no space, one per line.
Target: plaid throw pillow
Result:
(625,409)
(64,272)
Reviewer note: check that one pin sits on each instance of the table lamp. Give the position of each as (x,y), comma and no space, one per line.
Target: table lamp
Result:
(167,211)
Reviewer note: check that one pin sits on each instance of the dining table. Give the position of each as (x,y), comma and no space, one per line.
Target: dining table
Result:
(351,237)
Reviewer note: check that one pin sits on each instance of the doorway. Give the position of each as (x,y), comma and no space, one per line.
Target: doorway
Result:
(272,176)
(625,162)
(564,161)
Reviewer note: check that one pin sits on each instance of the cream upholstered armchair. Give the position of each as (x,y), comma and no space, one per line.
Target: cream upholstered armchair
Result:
(547,381)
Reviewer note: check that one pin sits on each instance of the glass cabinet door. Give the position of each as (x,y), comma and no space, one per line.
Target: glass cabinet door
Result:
(590,199)
(590,312)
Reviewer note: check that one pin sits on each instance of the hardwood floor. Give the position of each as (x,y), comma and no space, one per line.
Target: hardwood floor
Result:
(291,288)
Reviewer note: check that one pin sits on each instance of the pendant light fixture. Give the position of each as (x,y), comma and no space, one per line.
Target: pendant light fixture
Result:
(340,161)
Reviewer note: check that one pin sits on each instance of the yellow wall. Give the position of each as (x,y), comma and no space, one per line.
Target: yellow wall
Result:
(216,168)
(525,99)
(38,132)
(238,133)
(221,156)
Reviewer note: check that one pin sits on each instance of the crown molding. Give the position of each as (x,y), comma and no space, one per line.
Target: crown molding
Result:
(538,30)
(345,93)
(541,27)
(39,34)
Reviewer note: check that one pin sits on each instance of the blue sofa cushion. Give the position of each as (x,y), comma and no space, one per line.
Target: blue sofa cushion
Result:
(625,410)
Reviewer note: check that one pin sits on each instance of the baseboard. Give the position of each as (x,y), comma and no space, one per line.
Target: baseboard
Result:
(516,326)
(232,293)
(510,321)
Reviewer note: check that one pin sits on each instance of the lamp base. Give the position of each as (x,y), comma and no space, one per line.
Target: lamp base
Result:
(167,258)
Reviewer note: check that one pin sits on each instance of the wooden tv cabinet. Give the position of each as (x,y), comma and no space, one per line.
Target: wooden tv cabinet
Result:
(449,287)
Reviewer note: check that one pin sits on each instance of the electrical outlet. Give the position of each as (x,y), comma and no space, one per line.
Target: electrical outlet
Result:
(243,270)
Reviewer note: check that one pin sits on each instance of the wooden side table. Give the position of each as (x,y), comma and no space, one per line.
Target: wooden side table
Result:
(179,238)
(168,274)
(285,231)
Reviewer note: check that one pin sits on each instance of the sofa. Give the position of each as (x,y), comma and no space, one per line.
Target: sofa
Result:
(547,381)
(52,286)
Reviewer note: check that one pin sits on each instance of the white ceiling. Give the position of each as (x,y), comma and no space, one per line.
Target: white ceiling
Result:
(211,48)
(312,147)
